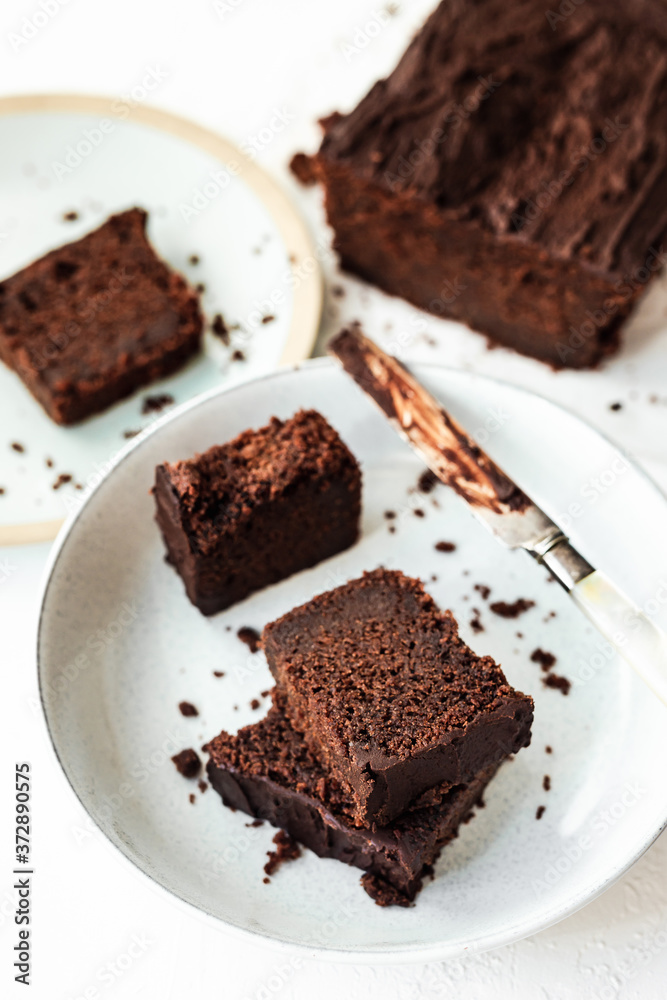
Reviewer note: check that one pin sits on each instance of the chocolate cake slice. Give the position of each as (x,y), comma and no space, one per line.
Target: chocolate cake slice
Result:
(251,512)
(91,322)
(267,771)
(511,172)
(389,697)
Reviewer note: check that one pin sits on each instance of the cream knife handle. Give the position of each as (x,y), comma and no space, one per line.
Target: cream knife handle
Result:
(628,629)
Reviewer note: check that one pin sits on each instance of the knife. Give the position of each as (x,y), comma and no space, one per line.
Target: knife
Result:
(502,507)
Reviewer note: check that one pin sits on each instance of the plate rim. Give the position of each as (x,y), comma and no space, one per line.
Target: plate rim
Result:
(409,954)
(308,296)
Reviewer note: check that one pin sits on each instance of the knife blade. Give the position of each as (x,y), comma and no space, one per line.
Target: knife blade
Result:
(498,502)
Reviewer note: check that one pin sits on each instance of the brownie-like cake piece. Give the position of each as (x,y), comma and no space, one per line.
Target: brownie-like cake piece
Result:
(510,173)
(251,512)
(91,322)
(388,696)
(267,771)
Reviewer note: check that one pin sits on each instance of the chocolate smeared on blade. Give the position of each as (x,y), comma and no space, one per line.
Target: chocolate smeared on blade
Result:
(449,452)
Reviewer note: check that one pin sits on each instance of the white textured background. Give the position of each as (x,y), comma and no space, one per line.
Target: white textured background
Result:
(230,65)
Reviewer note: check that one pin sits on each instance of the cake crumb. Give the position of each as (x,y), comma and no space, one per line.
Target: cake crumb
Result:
(304,169)
(192,798)
(200,287)
(49,463)
(616,407)
(337,291)
(63,478)
(219,328)
(70,216)
(546,783)
(445,547)
(390,514)
(475,623)
(202,786)
(255,704)
(418,512)
(482,590)
(556,681)
(187,709)
(540,812)
(545,660)
(392,529)
(218,673)
(269,318)
(238,356)
(157,403)
(256,823)
(250,636)
(17,446)
(187,762)
(513,610)
(548,749)
(193,259)
(287,849)
(427,481)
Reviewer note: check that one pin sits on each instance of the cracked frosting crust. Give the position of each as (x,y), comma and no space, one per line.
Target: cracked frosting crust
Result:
(549,133)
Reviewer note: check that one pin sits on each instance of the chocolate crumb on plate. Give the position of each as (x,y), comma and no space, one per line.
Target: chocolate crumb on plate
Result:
(392,529)
(18,447)
(238,356)
(192,797)
(49,463)
(545,660)
(255,704)
(418,512)
(187,709)
(556,681)
(193,259)
(63,478)
(513,610)
(269,318)
(337,291)
(546,783)
(445,546)
(218,673)
(249,636)
(130,434)
(202,786)
(187,762)
(475,622)
(390,514)
(540,812)
(303,168)
(482,590)
(156,403)
(219,328)
(256,823)
(616,407)
(548,749)
(427,481)
(287,849)
(70,216)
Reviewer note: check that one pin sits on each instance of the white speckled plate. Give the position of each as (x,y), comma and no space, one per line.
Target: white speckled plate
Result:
(120,646)
(94,156)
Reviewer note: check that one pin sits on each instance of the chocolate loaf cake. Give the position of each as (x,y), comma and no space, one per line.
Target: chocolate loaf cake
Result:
(388,697)
(251,512)
(91,322)
(267,771)
(511,172)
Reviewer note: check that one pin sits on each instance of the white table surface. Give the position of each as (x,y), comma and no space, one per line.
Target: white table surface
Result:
(100,929)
